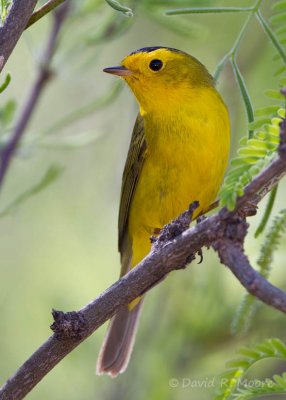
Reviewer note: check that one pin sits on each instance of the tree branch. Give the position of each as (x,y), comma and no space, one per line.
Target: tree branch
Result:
(43,76)
(42,11)
(13,27)
(172,250)
(232,255)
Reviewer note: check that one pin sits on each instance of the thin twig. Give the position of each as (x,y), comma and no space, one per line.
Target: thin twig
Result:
(42,11)
(44,74)
(225,231)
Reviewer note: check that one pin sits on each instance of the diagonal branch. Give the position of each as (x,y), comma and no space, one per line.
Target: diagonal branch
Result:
(43,76)
(13,27)
(225,231)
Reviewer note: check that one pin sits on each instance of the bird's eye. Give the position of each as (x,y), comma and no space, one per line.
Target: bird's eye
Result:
(156,65)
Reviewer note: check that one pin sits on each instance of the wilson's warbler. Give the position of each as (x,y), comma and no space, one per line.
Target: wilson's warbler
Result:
(178,154)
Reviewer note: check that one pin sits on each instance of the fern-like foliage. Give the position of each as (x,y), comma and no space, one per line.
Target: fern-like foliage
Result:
(256,152)
(253,155)
(247,308)
(233,383)
(244,315)
(276,385)
(271,243)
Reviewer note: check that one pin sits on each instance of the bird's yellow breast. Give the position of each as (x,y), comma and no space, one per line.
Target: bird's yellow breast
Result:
(185,160)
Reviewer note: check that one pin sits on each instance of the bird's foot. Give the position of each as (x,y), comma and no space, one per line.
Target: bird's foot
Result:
(176,227)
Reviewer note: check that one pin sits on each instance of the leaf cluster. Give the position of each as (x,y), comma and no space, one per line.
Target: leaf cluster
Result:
(234,383)
(253,155)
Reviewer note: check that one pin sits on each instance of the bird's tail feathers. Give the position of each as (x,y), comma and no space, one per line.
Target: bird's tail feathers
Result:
(117,347)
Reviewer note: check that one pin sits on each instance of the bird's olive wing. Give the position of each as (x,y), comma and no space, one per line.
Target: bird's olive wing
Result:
(133,166)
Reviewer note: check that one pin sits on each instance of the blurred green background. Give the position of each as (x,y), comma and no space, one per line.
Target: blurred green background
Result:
(58,249)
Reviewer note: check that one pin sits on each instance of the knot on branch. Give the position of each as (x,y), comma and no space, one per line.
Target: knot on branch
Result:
(176,227)
(248,209)
(70,325)
(47,73)
(234,230)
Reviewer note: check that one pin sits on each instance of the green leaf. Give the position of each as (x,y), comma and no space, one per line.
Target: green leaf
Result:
(270,110)
(50,176)
(263,135)
(279,379)
(249,353)
(279,6)
(119,7)
(243,91)
(280,30)
(209,10)
(274,94)
(278,19)
(279,346)
(259,144)
(267,212)
(258,123)
(238,161)
(281,112)
(7,113)
(243,141)
(5,83)
(248,151)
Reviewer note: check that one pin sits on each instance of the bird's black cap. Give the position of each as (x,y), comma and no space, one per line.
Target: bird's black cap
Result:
(153,48)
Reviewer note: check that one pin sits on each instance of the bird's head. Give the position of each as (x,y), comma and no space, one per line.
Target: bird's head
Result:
(159,75)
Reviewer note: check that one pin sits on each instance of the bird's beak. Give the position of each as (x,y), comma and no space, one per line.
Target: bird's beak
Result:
(120,71)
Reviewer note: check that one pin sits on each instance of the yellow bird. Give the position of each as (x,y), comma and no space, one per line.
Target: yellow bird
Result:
(178,154)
